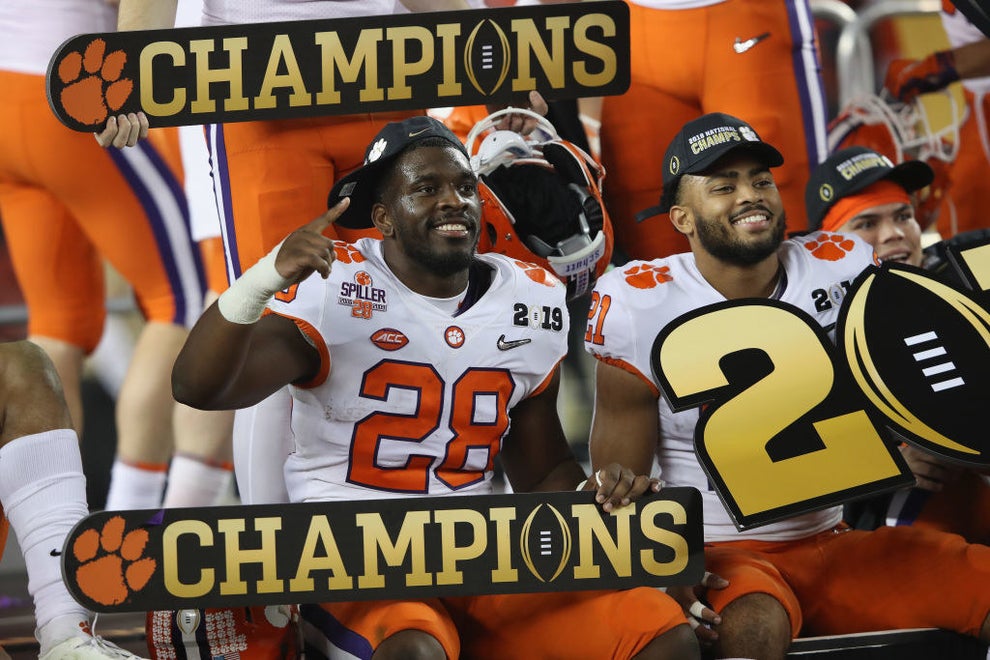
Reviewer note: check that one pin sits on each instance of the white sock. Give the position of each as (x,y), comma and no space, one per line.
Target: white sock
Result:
(134,487)
(193,482)
(43,493)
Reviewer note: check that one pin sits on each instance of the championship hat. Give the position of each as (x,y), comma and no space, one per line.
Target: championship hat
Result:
(700,143)
(385,147)
(851,170)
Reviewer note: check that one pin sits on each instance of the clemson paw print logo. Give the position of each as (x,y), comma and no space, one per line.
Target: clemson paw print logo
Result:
(112,563)
(830,247)
(93,86)
(647,276)
(377,150)
(538,274)
(346,253)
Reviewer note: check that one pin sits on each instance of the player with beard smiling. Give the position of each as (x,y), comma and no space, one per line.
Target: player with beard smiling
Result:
(805,574)
(426,411)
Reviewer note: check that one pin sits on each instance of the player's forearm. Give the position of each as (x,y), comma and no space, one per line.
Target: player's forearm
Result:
(564,476)
(146,14)
(211,362)
(973,60)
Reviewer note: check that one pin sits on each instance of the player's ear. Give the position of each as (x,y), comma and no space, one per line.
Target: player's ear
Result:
(682,219)
(381,219)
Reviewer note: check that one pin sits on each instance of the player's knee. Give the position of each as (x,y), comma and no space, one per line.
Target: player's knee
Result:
(755,623)
(410,645)
(28,372)
(30,391)
(678,643)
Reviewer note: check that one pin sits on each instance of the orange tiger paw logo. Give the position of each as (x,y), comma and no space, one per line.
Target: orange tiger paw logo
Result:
(111,562)
(346,253)
(830,247)
(646,276)
(537,274)
(93,86)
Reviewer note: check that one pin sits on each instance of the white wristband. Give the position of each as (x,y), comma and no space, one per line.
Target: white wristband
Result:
(245,300)
(581,485)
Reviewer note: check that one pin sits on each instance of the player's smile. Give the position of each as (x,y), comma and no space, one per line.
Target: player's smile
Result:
(454,229)
(752,219)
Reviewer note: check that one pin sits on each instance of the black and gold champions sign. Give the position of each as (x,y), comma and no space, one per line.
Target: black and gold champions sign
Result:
(795,423)
(342,66)
(381,549)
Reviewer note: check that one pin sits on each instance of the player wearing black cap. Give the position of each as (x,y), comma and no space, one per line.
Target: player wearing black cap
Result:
(805,573)
(411,370)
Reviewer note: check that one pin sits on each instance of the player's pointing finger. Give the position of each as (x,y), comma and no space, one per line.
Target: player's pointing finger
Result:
(335,212)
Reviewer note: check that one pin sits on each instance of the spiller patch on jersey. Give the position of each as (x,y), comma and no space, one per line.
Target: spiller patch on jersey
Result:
(389,339)
(362,296)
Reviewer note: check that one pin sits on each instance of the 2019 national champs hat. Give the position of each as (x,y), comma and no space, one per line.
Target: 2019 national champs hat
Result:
(851,170)
(700,143)
(391,141)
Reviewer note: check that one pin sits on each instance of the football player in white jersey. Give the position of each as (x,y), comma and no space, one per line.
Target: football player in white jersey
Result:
(807,573)
(415,361)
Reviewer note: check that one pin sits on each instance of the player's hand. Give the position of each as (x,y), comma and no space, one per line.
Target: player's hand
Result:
(929,472)
(907,78)
(520,123)
(123,130)
(308,249)
(616,486)
(702,618)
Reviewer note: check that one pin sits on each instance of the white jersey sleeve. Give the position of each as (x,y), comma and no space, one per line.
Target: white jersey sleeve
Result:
(644,297)
(413,400)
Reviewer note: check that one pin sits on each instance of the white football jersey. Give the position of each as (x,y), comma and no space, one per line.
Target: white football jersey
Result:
(645,296)
(34,29)
(412,399)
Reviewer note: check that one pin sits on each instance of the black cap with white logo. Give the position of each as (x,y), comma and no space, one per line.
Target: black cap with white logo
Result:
(391,141)
(850,170)
(699,144)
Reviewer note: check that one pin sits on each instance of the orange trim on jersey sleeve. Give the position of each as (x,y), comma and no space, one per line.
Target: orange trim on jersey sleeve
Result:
(546,381)
(321,346)
(625,366)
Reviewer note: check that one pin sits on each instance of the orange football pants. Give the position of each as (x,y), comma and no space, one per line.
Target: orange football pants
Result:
(684,64)
(961,507)
(565,625)
(847,581)
(970,171)
(274,176)
(66,204)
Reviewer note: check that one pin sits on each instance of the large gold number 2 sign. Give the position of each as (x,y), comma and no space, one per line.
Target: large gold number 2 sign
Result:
(838,453)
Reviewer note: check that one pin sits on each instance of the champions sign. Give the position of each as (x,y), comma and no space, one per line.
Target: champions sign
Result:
(342,66)
(381,549)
